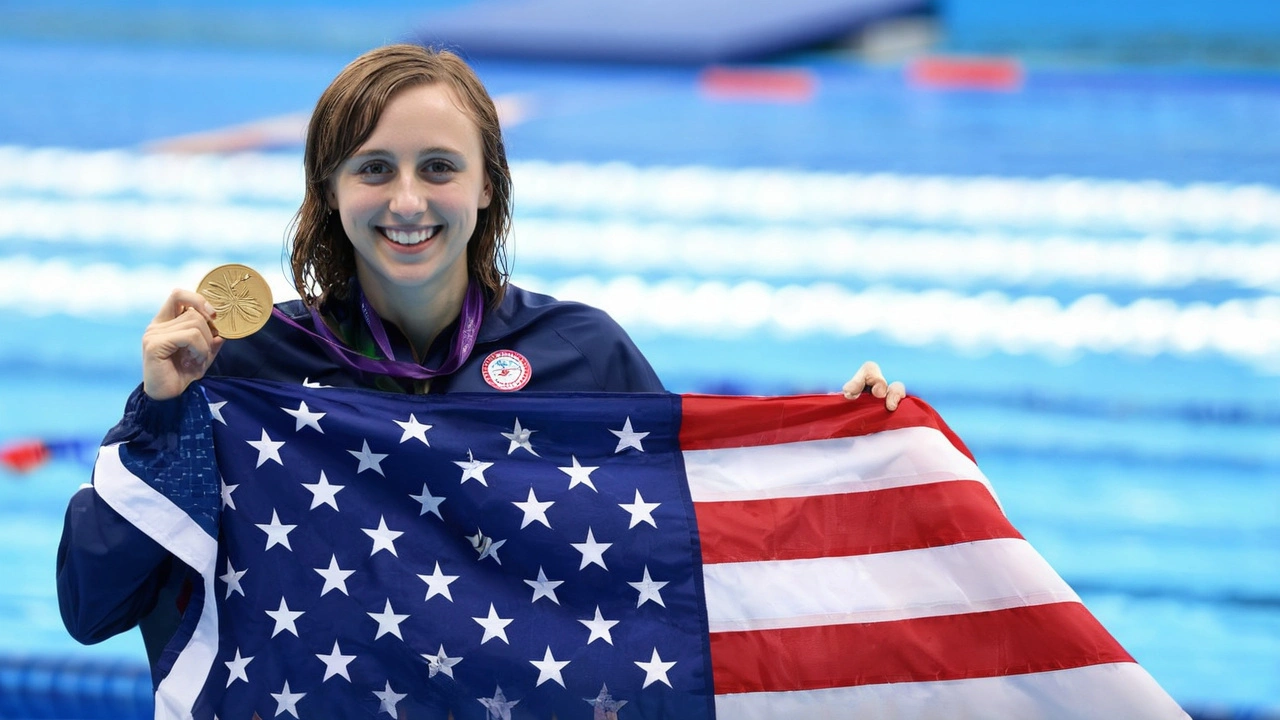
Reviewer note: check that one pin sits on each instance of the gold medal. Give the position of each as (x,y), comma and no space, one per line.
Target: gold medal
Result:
(240,296)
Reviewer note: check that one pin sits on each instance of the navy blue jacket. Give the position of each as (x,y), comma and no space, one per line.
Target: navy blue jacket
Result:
(112,577)
(570,347)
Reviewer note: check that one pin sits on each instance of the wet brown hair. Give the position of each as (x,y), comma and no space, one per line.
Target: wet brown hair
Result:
(321,255)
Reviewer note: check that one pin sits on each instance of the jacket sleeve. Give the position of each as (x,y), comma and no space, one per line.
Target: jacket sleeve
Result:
(109,573)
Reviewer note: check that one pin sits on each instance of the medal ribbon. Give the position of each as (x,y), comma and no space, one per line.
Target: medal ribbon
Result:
(463,343)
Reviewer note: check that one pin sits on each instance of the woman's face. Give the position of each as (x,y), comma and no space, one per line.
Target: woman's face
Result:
(409,196)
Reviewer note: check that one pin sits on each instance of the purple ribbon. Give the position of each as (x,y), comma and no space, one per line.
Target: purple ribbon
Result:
(463,343)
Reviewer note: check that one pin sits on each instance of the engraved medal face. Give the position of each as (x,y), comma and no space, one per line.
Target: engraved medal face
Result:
(241,297)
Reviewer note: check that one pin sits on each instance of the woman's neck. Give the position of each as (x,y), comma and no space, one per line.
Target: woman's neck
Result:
(421,314)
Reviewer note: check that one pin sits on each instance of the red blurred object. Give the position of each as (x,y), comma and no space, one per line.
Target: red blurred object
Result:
(792,85)
(966,73)
(24,455)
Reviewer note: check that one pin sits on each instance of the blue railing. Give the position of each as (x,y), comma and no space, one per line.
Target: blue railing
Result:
(73,689)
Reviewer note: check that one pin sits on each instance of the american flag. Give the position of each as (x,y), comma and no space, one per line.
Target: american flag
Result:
(605,556)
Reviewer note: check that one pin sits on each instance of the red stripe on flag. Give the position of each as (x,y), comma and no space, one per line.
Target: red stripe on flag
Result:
(902,518)
(1015,641)
(711,422)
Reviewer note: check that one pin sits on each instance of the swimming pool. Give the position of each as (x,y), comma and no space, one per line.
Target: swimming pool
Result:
(1082,276)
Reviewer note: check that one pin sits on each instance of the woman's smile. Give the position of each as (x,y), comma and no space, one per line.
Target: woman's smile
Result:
(409,237)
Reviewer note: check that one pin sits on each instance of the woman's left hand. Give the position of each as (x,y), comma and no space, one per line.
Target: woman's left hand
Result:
(869,376)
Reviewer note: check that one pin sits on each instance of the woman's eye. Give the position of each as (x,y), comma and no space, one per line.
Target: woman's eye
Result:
(374,168)
(437,167)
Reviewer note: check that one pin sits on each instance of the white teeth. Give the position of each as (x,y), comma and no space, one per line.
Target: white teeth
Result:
(401,237)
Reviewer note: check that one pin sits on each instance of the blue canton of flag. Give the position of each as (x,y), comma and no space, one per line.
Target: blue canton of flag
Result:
(427,557)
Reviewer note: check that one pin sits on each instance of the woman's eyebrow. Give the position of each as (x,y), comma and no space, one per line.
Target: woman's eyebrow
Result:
(434,150)
(439,150)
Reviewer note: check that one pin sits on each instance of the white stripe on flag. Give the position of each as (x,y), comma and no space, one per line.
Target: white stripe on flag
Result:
(162,521)
(1094,692)
(889,459)
(152,513)
(929,582)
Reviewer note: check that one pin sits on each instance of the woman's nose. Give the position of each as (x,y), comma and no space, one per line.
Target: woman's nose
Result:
(408,199)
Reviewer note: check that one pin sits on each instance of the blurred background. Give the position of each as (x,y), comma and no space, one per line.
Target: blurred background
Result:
(1057,222)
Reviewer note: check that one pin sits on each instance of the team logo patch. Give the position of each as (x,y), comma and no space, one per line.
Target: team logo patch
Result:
(506,370)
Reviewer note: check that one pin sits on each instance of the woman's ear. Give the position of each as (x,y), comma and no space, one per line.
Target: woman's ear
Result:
(486,195)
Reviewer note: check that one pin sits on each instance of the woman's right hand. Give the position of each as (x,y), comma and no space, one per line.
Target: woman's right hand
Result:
(179,345)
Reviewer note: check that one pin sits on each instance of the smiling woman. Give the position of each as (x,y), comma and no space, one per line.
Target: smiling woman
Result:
(398,258)
(408,200)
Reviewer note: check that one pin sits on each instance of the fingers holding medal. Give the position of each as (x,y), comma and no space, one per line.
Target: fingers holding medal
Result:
(183,339)
(240,298)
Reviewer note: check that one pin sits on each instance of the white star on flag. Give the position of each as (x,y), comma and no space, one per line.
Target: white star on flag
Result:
(486,546)
(305,417)
(287,702)
(227,502)
(599,628)
(629,438)
(335,663)
(335,578)
(413,429)
(388,699)
(542,587)
(640,510)
(232,579)
(368,460)
(215,409)
(277,534)
(322,493)
(592,551)
(605,702)
(383,538)
(430,503)
(578,474)
(267,448)
(549,668)
(655,670)
(388,622)
(519,438)
(534,510)
(499,706)
(648,589)
(285,619)
(494,626)
(236,668)
(438,583)
(440,663)
(473,469)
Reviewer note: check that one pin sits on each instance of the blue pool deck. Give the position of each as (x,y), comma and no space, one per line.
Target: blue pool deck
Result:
(1123,395)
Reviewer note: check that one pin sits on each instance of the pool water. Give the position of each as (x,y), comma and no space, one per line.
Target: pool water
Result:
(1082,275)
